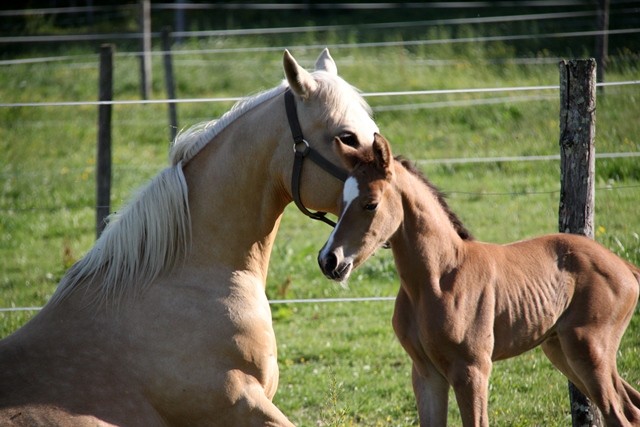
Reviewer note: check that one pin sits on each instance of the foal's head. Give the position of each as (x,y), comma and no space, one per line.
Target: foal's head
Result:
(371,210)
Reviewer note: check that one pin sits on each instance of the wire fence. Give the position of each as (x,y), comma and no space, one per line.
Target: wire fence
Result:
(310,29)
(264,49)
(379,44)
(449,161)
(272,302)
(366,95)
(574,18)
(292,6)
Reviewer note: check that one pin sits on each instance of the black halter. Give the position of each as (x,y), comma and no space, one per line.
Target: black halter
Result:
(302,150)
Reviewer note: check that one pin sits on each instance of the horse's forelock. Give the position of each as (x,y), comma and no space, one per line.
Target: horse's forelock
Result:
(338,95)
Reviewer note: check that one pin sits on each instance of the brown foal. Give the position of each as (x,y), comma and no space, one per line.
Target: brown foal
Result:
(463,304)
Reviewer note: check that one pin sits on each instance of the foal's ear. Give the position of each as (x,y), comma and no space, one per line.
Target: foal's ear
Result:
(326,63)
(382,152)
(300,80)
(350,156)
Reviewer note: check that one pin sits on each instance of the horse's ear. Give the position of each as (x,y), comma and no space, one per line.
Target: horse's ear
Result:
(350,156)
(382,152)
(300,80)
(326,63)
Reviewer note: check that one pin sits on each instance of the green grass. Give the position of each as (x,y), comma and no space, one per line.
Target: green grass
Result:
(340,362)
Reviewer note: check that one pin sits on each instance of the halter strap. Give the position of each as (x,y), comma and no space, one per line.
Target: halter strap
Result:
(302,150)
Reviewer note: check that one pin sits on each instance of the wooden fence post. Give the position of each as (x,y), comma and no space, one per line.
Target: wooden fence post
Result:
(180,22)
(602,41)
(103,154)
(145,56)
(169,82)
(577,190)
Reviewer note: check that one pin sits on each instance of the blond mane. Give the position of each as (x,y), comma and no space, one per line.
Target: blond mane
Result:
(152,233)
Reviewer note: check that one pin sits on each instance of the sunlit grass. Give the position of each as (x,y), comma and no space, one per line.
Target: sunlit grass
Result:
(340,362)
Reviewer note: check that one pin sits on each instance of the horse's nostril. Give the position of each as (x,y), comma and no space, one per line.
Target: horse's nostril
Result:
(330,262)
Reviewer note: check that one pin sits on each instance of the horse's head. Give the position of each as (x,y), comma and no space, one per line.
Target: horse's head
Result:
(371,210)
(327,107)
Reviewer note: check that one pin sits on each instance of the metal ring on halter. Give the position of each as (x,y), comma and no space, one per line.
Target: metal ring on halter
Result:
(306,148)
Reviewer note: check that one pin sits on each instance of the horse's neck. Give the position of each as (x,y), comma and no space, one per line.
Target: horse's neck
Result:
(427,245)
(236,198)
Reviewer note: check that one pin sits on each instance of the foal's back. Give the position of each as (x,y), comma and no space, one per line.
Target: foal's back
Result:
(581,262)
(543,285)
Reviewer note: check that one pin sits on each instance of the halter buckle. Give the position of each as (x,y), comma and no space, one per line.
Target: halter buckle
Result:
(305,149)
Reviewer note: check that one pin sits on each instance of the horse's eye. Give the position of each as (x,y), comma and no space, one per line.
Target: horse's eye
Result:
(349,139)
(371,207)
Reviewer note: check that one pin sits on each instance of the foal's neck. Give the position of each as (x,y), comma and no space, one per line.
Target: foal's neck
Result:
(427,244)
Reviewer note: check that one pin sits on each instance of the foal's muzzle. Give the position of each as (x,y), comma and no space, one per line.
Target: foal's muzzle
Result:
(333,268)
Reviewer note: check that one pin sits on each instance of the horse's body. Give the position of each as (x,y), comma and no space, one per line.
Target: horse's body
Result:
(165,321)
(464,304)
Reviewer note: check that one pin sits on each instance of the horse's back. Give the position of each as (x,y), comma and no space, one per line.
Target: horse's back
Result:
(592,267)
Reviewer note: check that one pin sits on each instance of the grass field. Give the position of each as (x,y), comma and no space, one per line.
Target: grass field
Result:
(340,362)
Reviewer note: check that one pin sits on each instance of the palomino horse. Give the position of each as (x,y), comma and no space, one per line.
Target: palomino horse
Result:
(463,304)
(165,321)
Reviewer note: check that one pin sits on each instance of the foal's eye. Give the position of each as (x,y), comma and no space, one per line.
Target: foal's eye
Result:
(349,139)
(371,207)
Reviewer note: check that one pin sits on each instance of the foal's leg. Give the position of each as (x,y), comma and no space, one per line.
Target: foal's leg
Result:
(590,353)
(634,395)
(471,385)
(603,384)
(432,396)
(554,353)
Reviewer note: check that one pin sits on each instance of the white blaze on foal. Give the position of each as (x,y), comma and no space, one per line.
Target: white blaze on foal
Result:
(350,192)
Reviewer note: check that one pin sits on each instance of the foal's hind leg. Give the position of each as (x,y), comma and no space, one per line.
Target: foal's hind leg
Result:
(590,363)
(589,333)
(634,395)
(554,353)
(602,382)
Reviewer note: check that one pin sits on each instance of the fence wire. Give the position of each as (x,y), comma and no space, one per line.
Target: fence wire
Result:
(462,21)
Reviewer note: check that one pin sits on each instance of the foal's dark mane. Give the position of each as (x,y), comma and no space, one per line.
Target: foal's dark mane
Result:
(440,197)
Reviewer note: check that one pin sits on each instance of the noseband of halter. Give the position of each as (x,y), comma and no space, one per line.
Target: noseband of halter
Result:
(303,150)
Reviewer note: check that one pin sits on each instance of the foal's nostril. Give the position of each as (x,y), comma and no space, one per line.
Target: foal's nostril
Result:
(330,262)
